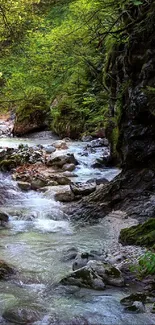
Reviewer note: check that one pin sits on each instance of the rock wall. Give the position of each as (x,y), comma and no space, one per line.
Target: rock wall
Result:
(132,83)
(131,78)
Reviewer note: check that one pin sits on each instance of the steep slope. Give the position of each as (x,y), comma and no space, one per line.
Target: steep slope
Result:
(131,78)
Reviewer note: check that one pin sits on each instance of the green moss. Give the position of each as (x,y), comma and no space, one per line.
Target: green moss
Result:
(36,103)
(7,165)
(112,271)
(143,235)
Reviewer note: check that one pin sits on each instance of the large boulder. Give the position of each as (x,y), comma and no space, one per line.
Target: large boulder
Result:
(83,188)
(64,195)
(68,167)
(60,161)
(95,275)
(82,259)
(31,115)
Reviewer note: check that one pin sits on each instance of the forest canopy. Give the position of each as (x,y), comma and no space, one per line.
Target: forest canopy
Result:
(59,50)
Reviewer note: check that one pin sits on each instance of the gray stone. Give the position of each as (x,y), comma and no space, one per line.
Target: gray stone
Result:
(95,275)
(137,307)
(64,195)
(68,167)
(19,315)
(87,138)
(38,183)
(50,149)
(83,188)
(59,161)
(25,186)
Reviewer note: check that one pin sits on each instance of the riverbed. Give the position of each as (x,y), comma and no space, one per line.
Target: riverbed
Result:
(37,237)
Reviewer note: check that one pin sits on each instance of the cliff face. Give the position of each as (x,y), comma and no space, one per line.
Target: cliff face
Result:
(133,82)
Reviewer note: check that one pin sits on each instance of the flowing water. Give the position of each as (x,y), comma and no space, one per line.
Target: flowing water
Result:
(35,241)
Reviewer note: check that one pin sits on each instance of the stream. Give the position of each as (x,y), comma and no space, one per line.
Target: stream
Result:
(35,241)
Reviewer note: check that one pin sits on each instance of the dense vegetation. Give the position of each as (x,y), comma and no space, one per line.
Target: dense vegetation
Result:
(58,51)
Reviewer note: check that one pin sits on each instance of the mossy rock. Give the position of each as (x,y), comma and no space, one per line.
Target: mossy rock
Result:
(143,235)
(8,164)
(139,296)
(31,115)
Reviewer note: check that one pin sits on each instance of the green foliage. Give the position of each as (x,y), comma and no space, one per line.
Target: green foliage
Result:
(143,234)
(146,264)
(59,49)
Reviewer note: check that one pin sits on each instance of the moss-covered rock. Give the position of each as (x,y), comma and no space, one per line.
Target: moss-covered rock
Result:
(31,115)
(8,164)
(143,234)
(95,275)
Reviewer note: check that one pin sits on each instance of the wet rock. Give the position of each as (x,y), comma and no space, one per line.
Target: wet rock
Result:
(87,138)
(99,143)
(136,307)
(52,183)
(68,167)
(62,180)
(116,259)
(50,149)
(19,315)
(64,195)
(69,174)
(82,259)
(59,161)
(129,300)
(95,275)
(60,145)
(83,188)
(153,309)
(76,320)
(2,153)
(101,180)
(70,254)
(25,186)
(3,217)
(38,183)
(6,270)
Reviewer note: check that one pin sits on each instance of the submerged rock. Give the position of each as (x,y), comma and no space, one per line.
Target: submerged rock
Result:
(70,254)
(6,270)
(3,217)
(19,315)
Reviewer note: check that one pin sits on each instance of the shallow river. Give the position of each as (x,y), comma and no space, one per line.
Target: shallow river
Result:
(35,241)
